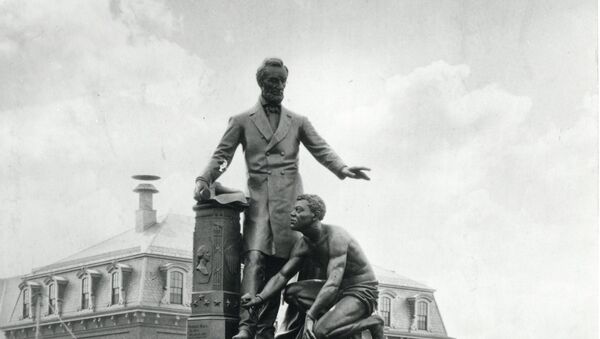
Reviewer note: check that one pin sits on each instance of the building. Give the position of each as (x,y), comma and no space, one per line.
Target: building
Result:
(138,285)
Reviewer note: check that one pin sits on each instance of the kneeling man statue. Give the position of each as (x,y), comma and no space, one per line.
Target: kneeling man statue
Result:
(340,306)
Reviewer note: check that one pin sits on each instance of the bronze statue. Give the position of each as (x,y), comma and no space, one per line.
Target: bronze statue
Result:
(339,307)
(270,136)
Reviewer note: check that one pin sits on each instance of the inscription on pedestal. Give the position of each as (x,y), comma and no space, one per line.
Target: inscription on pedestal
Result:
(198,331)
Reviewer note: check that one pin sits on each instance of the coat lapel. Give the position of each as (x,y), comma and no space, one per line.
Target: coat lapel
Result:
(259,118)
(285,121)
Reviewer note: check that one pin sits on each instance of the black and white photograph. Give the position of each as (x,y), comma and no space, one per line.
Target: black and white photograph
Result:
(299,169)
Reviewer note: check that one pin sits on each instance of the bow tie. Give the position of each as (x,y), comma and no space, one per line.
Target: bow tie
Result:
(272,109)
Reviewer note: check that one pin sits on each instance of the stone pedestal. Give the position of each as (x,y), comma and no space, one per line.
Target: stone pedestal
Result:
(216,281)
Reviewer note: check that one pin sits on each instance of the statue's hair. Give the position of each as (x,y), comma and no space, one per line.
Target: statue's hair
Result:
(315,204)
(269,62)
(203,251)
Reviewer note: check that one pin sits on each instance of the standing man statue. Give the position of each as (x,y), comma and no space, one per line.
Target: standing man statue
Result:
(270,136)
(339,307)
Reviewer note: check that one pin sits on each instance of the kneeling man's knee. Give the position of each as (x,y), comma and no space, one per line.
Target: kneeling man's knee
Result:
(290,293)
(321,331)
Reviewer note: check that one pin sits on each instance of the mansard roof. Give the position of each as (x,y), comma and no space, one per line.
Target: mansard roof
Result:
(389,277)
(171,236)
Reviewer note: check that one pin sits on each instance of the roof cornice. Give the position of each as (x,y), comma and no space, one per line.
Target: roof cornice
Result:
(107,261)
(405,287)
(98,314)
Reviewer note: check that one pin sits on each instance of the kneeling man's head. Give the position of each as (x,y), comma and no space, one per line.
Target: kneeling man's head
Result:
(309,208)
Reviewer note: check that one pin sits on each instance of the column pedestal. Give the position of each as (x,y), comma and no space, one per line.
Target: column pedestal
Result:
(216,279)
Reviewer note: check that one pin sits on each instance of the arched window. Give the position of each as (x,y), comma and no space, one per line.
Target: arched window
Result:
(419,304)
(26,303)
(89,279)
(174,278)
(114,295)
(85,293)
(30,290)
(176,288)
(422,312)
(51,298)
(120,274)
(385,310)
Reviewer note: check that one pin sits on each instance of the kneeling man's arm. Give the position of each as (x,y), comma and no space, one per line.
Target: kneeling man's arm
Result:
(278,281)
(335,272)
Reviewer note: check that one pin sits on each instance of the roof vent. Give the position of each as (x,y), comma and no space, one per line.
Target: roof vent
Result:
(145,216)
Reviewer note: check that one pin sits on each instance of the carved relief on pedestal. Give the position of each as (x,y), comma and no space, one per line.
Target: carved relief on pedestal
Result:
(232,260)
(204,264)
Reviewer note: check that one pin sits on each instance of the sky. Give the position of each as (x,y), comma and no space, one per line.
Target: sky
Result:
(479,120)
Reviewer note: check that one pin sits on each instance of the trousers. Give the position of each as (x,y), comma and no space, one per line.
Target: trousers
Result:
(258,269)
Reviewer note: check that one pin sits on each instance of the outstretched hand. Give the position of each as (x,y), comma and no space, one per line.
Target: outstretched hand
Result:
(356,172)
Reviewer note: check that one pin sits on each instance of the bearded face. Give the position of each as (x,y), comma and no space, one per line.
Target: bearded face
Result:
(273,83)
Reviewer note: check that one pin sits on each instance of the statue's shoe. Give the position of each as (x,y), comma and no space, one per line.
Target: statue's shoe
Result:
(243,334)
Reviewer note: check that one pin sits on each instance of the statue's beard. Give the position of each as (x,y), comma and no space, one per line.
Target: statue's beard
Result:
(273,98)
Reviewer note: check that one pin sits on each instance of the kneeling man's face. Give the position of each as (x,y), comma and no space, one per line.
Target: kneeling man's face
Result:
(301,216)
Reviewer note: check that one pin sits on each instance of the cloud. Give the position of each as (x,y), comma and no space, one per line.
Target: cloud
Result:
(93,48)
(89,93)
(431,110)
(522,196)
(475,196)
(437,141)
(86,79)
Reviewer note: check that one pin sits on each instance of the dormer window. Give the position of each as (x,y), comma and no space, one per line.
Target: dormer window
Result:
(119,277)
(89,281)
(114,288)
(29,291)
(85,293)
(173,277)
(56,290)
(385,310)
(420,305)
(422,315)
(51,298)
(176,288)
(26,303)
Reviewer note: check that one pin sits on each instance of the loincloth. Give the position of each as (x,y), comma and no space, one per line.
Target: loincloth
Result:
(366,292)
